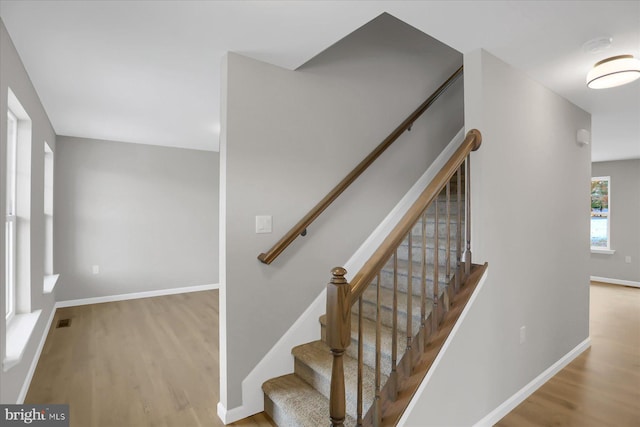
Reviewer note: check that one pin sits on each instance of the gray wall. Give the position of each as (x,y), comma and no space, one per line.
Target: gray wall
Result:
(14,76)
(146,215)
(625,221)
(538,258)
(287,139)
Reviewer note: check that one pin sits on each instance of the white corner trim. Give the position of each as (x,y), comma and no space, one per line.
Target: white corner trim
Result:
(616,281)
(508,405)
(36,358)
(49,282)
(135,295)
(19,331)
(443,351)
(603,251)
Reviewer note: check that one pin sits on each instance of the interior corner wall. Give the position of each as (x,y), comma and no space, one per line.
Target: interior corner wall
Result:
(147,216)
(14,76)
(625,223)
(530,222)
(293,135)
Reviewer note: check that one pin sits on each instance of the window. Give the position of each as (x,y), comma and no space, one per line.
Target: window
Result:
(10,216)
(18,210)
(600,213)
(21,320)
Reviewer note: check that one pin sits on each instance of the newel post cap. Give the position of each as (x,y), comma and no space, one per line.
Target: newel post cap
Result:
(337,275)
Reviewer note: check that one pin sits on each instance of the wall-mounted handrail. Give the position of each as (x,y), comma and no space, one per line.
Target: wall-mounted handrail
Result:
(301,226)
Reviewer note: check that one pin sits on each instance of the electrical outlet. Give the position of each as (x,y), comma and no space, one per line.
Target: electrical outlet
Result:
(95,269)
(627,259)
(523,334)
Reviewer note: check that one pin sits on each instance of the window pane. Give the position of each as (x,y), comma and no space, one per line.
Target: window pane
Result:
(600,212)
(10,266)
(12,141)
(10,218)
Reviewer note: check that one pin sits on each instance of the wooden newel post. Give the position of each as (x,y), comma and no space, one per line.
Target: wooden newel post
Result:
(338,338)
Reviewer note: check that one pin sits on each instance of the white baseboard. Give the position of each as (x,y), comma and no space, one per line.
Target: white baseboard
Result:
(36,358)
(232,415)
(510,404)
(616,281)
(135,295)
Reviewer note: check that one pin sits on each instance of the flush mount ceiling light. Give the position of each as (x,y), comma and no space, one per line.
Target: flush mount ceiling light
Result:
(614,71)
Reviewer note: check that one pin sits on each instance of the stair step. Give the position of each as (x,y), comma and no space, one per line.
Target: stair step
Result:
(386,277)
(313,363)
(386,307)
(291,402)
(442,204)
(369,342)
(416,253)
(442,220)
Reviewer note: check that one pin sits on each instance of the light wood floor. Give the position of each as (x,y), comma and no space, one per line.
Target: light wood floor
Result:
(601,387)
(146,362)
(154,362)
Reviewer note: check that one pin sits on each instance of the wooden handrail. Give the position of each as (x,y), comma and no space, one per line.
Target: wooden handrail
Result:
(301,226)
(376,262)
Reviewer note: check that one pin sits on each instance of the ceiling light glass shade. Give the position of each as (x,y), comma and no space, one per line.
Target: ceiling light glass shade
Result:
(614,71)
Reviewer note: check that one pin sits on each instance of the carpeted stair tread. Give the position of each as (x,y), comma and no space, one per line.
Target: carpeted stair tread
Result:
(297,404)
(386,276)
(369,342)
(386,307)
(314,363)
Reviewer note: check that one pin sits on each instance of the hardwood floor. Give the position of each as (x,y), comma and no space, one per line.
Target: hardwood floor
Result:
(154,362)
(601,387)
(145,362)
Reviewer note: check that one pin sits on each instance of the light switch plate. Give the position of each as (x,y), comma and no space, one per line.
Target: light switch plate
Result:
(263,224)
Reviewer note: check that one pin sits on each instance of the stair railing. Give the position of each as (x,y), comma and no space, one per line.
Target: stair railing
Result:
(300,229)
(342,296)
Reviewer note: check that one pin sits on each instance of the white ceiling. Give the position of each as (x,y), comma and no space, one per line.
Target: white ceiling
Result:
(149,71)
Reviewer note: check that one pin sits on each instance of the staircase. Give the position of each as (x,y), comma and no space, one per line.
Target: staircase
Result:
(393,328)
